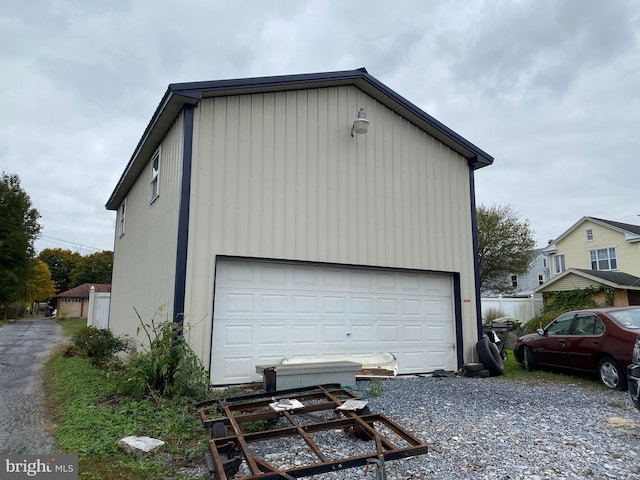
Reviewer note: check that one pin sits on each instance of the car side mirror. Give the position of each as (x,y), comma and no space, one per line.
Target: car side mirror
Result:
(540,331)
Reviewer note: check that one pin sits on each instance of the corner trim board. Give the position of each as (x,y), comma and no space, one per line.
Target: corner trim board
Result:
(183,216)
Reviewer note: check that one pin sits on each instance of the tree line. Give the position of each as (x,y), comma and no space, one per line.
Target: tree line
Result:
(25,277)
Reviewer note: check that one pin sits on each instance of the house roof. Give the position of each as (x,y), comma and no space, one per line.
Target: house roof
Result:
(180,94)
(82,291)
(631,232)
(612,279)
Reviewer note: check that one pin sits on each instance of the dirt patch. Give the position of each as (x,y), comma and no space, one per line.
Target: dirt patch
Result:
(624,425)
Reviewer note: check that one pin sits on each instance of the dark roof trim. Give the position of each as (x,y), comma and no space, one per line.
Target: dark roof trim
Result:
(180,94)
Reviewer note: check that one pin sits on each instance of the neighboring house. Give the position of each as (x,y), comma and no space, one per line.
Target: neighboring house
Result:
(596,244)
(613,288)
(595,252)
(75,302)
(260,214)
(537,273)
(524,284)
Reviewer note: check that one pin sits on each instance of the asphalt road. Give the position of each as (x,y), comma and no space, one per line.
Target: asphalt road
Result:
(24,347)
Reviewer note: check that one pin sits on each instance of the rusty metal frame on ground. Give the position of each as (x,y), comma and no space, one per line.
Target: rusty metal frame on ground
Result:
(229,446)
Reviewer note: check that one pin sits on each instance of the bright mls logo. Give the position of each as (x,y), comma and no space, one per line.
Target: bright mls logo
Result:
(54,467)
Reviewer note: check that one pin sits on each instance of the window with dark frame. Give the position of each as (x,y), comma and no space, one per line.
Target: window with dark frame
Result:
(155,176)
(122,215)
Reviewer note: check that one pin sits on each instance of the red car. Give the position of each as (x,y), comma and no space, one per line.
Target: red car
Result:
(600,340)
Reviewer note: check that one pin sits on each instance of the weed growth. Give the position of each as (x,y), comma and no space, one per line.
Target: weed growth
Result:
(167,368)
(91,416)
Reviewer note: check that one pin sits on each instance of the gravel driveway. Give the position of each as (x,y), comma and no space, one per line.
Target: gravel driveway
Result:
(24,347)
(503,429)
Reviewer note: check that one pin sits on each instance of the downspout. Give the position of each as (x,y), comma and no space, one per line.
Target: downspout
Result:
(183,216)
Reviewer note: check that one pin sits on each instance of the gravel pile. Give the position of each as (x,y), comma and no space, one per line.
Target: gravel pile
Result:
(496,429)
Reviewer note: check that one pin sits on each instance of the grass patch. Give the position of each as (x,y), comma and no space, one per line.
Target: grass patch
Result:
(516,371)
(71,326)
(91,417)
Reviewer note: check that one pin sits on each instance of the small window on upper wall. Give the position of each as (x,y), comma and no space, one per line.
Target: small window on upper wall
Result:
(588,234)
(514,280)
(540,279)
(154,187)
(559,263)
(122,215)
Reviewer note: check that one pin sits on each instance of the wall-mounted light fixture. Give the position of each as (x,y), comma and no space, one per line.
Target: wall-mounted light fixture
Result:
(360,124)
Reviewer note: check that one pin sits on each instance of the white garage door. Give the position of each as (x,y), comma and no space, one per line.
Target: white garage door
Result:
(264,311)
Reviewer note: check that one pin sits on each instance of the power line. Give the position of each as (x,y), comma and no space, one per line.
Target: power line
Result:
(74,244)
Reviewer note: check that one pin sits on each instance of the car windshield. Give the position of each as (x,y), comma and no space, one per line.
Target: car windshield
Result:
(627,318)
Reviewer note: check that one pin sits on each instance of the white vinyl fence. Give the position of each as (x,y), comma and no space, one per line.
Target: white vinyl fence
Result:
(522,308)
(98,309)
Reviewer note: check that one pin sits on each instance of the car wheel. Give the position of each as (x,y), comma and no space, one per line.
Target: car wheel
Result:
(489,355)
(529,359)
(611,374)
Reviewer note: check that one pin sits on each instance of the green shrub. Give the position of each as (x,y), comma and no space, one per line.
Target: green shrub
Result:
(168,368)
(97,344)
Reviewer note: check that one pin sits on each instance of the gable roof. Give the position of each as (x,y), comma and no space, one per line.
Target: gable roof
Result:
(180,94)
(82,291)
(631,232)
(612,279)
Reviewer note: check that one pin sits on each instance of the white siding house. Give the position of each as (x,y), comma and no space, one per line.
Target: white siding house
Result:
(256,218)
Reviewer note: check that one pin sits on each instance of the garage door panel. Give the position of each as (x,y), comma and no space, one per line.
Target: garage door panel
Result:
(361,282)
(238,276)
(272,276)
(436,358)
(388,334)
(436,333)
(305,276)
(411,307)
(272,335)
(410,283)
(239,303)
(434,307)
(238,335)
(264,311)
(300,334)
(412,334)
(413,361)
(271,303)
(361,333)
(236,368)
(386,282)
(334,279)
(387,306)
(305,304)
(334,333)
(362,306)
(334,305)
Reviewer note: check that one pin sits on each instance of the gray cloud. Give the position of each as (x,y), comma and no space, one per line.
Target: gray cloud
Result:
(550,88)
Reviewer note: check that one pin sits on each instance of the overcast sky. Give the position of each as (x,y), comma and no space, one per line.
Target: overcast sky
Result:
(550,88)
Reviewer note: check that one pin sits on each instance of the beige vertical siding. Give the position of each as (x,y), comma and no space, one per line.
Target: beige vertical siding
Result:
(278,175)
(576,248)
(145,256)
